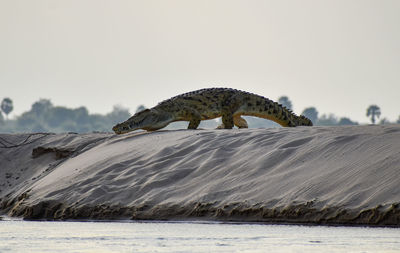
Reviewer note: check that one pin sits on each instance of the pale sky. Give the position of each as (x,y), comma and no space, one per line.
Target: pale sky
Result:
(340,56)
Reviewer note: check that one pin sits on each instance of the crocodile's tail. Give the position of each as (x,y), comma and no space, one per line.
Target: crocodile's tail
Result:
(264,108)
(286,118)
(302,121)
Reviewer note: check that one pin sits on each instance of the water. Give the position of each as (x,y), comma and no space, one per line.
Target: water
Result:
(27,236)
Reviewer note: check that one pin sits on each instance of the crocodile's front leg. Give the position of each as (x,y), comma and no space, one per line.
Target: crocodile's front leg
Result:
(193,124)
(193,117)
(227,119)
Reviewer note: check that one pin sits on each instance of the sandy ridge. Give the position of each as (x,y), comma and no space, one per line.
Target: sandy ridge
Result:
(319,175)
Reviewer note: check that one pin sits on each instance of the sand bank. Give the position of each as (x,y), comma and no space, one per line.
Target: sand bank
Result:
(319,175)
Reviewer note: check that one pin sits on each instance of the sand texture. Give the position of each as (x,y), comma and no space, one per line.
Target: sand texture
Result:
(313,175)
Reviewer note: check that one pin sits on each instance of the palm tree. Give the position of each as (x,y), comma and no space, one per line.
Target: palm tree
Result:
(7,106)
(373,111)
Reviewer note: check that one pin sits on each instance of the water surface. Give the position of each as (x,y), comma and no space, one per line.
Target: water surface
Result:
(29,236)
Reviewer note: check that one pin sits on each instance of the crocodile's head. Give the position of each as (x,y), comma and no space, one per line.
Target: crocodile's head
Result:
(149,119)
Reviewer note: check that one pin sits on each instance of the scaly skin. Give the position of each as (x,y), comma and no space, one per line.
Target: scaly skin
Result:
(230,104)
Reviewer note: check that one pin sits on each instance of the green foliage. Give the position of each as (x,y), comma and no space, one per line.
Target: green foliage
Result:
(285,101)
(332,120)
(57,116)
(384,121)
(7,106)
(346,121)
(44,117)
(373,111)
(311,113)
(41,107)
(327,120)
(27,120)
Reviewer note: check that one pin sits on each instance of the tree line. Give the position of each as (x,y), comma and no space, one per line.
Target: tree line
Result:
(46,117)
(373,112)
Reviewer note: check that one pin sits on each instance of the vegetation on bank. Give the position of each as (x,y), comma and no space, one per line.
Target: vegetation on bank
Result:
(46,117)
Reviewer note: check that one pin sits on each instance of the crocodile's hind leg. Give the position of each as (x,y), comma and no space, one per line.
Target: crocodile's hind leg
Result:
(237,121)
(240,122)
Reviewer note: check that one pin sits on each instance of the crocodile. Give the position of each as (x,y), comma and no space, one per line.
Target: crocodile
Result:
(210,103)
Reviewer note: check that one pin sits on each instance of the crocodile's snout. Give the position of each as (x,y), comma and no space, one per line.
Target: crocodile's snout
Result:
(117,129)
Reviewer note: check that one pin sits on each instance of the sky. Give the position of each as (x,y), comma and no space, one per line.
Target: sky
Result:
(339,56)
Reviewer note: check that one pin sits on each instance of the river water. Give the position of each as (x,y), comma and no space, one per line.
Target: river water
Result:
(30,236)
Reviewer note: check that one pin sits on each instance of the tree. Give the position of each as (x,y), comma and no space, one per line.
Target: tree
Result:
(118,114)
(1,118)
(26,121)
(57,115)
(7,106)
(327,120)
(284,100)
(41,107)
(81,115)
(346,121)
(384,121)
(311,113)
(373,111)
